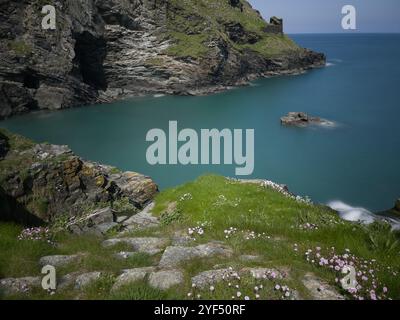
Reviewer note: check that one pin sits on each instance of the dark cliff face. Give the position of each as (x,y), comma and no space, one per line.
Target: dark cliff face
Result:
(103,50)
(42,182)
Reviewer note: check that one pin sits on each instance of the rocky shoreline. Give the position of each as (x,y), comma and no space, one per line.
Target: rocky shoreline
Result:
(49,184)
(103,51)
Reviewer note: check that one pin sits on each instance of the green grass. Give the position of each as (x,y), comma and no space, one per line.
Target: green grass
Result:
(20,258)
(226,204)
(194,24)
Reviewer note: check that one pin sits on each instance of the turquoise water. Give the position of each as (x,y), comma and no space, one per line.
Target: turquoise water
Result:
(356,162)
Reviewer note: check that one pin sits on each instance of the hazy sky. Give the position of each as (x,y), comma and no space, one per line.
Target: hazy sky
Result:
(322,16)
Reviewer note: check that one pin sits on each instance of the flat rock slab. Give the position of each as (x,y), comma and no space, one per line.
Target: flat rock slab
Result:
(150,246)
(166,279)
(181,238)
(249,258)
(125,255)
(11,286)
(207,278)
(58,260)
(132,275)
(67,281)
(142,220)
(175,255)
(319,289)
(264,273)
(85,279)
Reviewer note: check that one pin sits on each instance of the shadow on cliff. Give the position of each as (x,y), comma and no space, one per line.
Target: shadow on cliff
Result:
(12,211)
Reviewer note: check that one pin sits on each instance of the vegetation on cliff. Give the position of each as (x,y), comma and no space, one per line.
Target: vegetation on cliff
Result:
(107,50)
(258,243)
(195,24)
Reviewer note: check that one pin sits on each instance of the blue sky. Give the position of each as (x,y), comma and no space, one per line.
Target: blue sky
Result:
(324,16)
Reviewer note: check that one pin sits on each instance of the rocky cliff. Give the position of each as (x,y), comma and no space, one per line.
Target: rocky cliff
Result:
(41,183)
(103,50)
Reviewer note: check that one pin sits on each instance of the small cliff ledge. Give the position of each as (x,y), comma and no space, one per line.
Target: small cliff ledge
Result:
(104,50)
(42,183)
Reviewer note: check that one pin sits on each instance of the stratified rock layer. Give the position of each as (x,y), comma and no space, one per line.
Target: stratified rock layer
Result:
(103,50)
(50,183)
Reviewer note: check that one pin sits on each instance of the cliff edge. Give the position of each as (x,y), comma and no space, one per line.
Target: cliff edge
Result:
(104,50)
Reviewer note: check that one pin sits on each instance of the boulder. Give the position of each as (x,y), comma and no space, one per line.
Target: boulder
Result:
(320,290)
(142,220)
(210,277)
(175,255)
(397,205)
(58,260)
(132,275)
(148,245)
(302,119)
(12,286)
(86,279)
(166,279)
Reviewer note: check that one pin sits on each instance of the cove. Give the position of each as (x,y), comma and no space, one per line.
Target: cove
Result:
(355,162)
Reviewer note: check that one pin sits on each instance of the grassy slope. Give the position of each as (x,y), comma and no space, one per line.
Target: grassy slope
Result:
(220,204)
(200,21)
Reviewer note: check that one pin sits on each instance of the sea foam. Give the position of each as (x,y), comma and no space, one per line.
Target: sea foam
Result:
(358,214)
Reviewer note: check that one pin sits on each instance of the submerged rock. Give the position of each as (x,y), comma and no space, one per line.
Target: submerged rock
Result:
(302,119)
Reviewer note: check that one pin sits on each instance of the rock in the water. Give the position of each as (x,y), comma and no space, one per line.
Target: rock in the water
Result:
(175,255)
(302,119)
(86,279)
(320,290)
(132,275)
(166,279)
(12,286)
(149,245)
(59,260)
